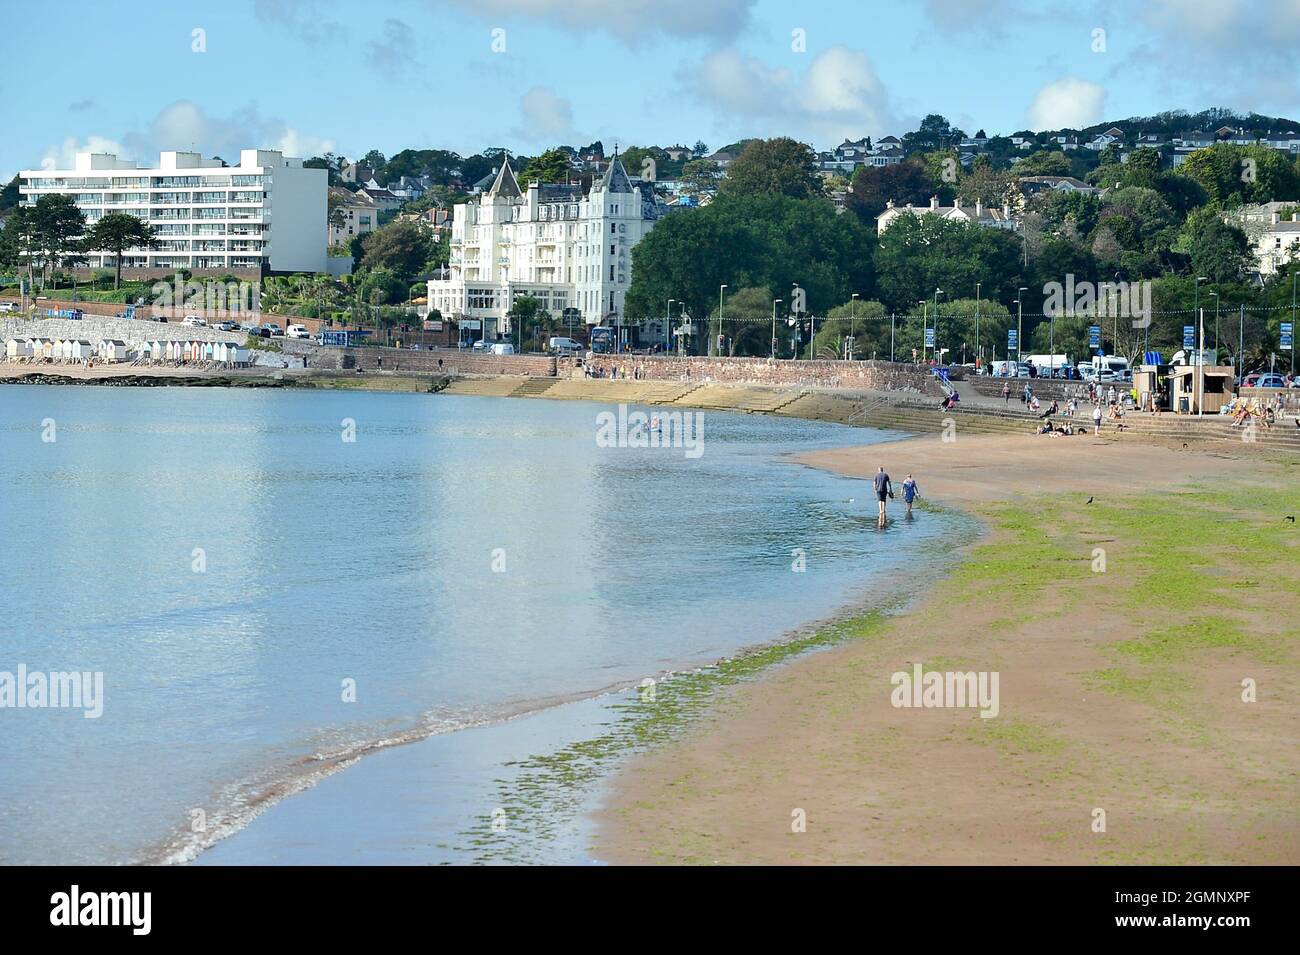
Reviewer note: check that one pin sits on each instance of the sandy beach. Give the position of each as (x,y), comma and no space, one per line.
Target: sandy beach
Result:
(1131,598)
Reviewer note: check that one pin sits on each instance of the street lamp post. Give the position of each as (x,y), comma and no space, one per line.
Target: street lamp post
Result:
(925,323)
(1294,274)
(1020,327)
(937,354)
(979,348)
(1198,385)
(853,314)
(1216,326)
(668,321)
(720,290)
(775,303)
(795,299)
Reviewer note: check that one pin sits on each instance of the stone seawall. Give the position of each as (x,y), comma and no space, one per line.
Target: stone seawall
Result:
(94,328)
(449,361)
(849,375)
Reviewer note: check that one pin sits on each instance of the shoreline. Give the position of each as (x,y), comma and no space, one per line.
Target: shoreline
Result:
(882,785)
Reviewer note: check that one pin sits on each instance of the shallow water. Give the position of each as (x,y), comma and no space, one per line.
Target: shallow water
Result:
(233,567)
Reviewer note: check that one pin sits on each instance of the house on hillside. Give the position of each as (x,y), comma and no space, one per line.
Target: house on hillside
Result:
(977,214)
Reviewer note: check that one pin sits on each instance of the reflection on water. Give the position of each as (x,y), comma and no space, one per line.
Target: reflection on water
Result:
(233,567)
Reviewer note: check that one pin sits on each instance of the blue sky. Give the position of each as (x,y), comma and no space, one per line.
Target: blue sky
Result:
(332,75)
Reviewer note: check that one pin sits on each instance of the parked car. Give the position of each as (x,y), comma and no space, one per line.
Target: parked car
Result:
(273,328)
(8,306)
(195,322)
(298,331)
(481,345)
(228,326)
(563,346)
(502,348)
(1267,381)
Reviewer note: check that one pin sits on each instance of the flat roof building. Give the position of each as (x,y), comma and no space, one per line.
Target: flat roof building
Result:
(266,214)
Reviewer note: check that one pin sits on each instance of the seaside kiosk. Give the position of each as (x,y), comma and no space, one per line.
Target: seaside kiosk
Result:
(1199,389)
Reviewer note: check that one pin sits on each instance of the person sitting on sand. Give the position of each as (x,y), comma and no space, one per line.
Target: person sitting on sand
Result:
(1052,410)
(1046,427)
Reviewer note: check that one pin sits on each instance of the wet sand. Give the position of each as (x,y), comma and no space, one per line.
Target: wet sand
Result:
(1122,734)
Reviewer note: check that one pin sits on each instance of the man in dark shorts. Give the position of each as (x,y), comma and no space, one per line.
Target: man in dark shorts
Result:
(884,490)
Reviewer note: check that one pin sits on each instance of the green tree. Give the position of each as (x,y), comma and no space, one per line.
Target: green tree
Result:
(902,183)
(1218,250)
(919,253)
(700,177)
(525,313)
(551,166)
(118,231)
(402,247)
(1232,175)
(747,318)
(1045,162)
(778,167)
(59,229)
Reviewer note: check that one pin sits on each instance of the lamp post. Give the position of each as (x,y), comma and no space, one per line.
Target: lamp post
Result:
(937,354)
(979,347)
(668,321)
(1198,386)
(1020,326)
(1294,273)
(1216,326)
(775,303)
(795,298)
(721,288)
(925,323)
(853,313)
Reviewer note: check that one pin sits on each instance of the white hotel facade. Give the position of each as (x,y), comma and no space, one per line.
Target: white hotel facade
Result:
(551,242)
(266,214)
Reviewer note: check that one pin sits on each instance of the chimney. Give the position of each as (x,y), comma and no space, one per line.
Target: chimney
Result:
(889,204)
(1277,217)
(1006,211)
(1295,217)
(956,203)
(979,208)
(934,202)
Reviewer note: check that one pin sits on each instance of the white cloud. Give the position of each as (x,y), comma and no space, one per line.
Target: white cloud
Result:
(184,125)
(838,95)
(546,118)
(1068,103)
(632,21)
(63,155)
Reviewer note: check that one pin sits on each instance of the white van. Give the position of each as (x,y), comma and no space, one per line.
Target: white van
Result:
(563,346)
(298,331)
(195,322)
(502,348)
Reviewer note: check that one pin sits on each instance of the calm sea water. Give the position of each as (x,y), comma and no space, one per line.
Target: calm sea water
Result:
(238,572)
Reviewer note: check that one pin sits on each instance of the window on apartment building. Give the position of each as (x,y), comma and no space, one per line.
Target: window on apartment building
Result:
(611,273)
(612,250)
(612,228)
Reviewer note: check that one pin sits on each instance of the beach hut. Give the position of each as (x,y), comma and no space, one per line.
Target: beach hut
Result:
(80,349)
(63,347)
(41,347)
(112,350)
(16,348)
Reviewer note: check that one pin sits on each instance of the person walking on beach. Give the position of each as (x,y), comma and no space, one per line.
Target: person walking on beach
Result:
(910,493)
(884,490)
(1006,392)
(1096,419)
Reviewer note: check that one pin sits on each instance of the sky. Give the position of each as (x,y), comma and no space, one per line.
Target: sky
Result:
(308,76)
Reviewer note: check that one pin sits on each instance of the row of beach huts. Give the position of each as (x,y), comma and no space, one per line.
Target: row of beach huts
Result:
(111,351)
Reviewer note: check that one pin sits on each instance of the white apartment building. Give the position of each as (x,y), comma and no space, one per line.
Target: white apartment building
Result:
(977,214)
(355,215)
(550,241)
(266,214)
